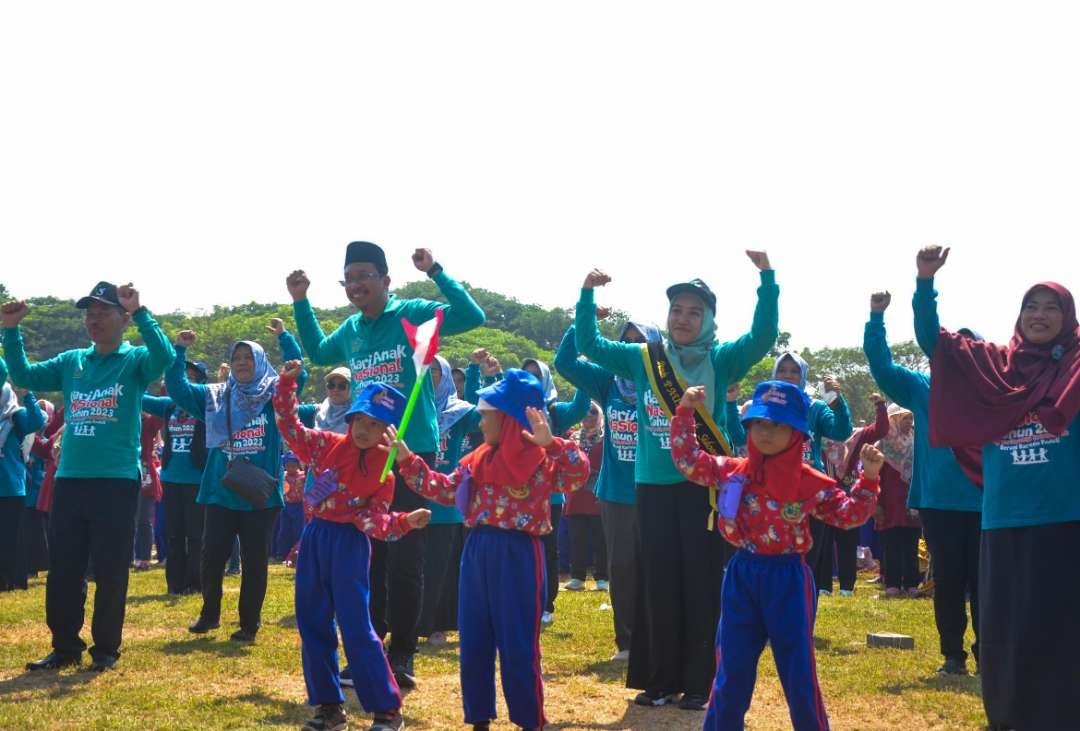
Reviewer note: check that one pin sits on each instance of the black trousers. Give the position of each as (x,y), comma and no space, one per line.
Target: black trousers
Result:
(623,546)
(901,557)
(678,602)
(442,560)
(953,538)
(254,529)
(184,519)
(551,557)
(1029,636)
(11,512)
(397,577)
(92,520)
(33,543)
(846,543)
(587,532)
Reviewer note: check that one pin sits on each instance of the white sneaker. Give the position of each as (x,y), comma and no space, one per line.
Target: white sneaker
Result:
(602,585)
(847,592)
(620,656)
(824,592)
(547,618)
(574,585)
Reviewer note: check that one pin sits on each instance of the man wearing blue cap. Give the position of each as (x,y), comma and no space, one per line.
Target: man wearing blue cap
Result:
(348,505)
(765,502)
(98,478)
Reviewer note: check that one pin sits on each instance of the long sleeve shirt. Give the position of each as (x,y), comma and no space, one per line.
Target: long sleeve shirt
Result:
(359,498)
(103,395)
(24,422)
(377,351)
(761,524)
(526,508)
(731,361)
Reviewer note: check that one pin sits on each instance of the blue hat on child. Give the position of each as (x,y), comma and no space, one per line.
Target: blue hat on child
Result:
(782,402)
(517,391)
(289,457)
(379,401)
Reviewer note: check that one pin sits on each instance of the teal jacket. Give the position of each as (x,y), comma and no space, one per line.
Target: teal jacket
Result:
(26,421)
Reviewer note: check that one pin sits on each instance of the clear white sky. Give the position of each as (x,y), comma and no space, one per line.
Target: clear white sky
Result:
(205,149)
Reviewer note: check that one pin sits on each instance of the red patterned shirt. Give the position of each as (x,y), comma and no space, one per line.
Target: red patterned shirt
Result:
(761,524)
(526,508)
(359,497)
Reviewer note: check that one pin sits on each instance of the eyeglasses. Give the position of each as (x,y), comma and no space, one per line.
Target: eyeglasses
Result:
(359,278)
(336,385)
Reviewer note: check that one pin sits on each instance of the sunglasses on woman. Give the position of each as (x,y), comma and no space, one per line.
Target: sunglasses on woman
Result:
(336,385)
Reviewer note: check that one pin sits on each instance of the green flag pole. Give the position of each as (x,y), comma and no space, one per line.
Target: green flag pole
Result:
(413,398)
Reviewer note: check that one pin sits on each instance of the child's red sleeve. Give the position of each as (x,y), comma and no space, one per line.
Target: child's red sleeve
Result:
(307,444)
(841,510)
(693,462)
(433,485)
(568,462)
(377,521)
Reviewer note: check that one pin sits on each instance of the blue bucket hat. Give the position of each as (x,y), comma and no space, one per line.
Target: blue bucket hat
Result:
(289,457)
(517,391)
(379,401)
(781,402)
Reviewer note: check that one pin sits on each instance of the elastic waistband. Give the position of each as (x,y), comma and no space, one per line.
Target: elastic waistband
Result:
(505,532)
(744,555)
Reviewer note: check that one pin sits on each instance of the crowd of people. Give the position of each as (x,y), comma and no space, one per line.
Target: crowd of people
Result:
(714,525)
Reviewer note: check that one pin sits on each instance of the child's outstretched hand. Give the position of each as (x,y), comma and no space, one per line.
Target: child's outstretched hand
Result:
(418,518)
(872,461)
(292,369)
(541,432)
(390,439)
(693,397)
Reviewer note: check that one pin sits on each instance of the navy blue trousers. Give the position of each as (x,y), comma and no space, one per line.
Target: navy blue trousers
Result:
(766,598)
(332,582)
(502,592)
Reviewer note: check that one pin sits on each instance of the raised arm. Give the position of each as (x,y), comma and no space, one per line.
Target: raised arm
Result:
(622,359)
(568,414)
(191,397)
(899,383)
(839,509)
(927,326)
(44,376)
(307,444)
(740,355)
(695,464)
(30,419)
(588,377)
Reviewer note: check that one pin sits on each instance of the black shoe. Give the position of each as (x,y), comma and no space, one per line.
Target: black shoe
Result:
(54,661)
(483,726)
(329,717)
(242,635)
(202,626)
(403,672)
(655,698)
(387,722)
(692,702)
(953,666)
(103,663)
(346,678)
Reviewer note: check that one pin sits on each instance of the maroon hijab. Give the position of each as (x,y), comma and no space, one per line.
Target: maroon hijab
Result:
(979,391)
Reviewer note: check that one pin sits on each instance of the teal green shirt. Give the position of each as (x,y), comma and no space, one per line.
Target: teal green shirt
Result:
(731,361)
(377,351)
(937,482)
(103,397)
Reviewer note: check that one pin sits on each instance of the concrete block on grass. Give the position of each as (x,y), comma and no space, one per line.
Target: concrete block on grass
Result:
(890,639)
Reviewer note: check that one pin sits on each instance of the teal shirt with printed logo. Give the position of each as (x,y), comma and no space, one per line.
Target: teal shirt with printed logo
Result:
(179,429)
(377,351)
(103,397)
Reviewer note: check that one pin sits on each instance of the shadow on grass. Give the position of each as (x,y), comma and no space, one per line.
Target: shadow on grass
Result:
(169,600)
(631,718)
(206,645)
(58,684)
(965,685)
(606,670)
(288,622)
(278,711)
(824,645)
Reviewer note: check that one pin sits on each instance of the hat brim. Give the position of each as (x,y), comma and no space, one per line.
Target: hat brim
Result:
(686,288)
(760,411)
(85,302)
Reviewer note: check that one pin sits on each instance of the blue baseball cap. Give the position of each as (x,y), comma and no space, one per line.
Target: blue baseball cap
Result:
(289,457)
(517,391)
(379,401)
(199,367)
(782,402)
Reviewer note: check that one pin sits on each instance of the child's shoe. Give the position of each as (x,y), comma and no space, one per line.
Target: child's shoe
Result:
(602,585)
(655,698)
(575,585)
(329,717)
(691,702)
(847,592)
(387,722)
(547,618)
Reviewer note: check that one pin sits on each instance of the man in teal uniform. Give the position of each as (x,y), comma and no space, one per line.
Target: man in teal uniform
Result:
(98,478)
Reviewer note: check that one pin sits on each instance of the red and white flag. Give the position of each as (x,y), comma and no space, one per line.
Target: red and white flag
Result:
(424,340)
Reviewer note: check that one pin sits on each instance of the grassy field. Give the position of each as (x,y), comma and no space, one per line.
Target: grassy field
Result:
(169,679)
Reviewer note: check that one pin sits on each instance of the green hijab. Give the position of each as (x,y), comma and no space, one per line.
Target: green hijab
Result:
(693,361)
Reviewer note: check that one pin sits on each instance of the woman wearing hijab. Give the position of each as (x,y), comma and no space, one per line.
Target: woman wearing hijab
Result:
(457,417)
(899,526)
(615,484)
(1018,404)
(239,418)
(563,416)
(33,535)
(682,560)
(17,422)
